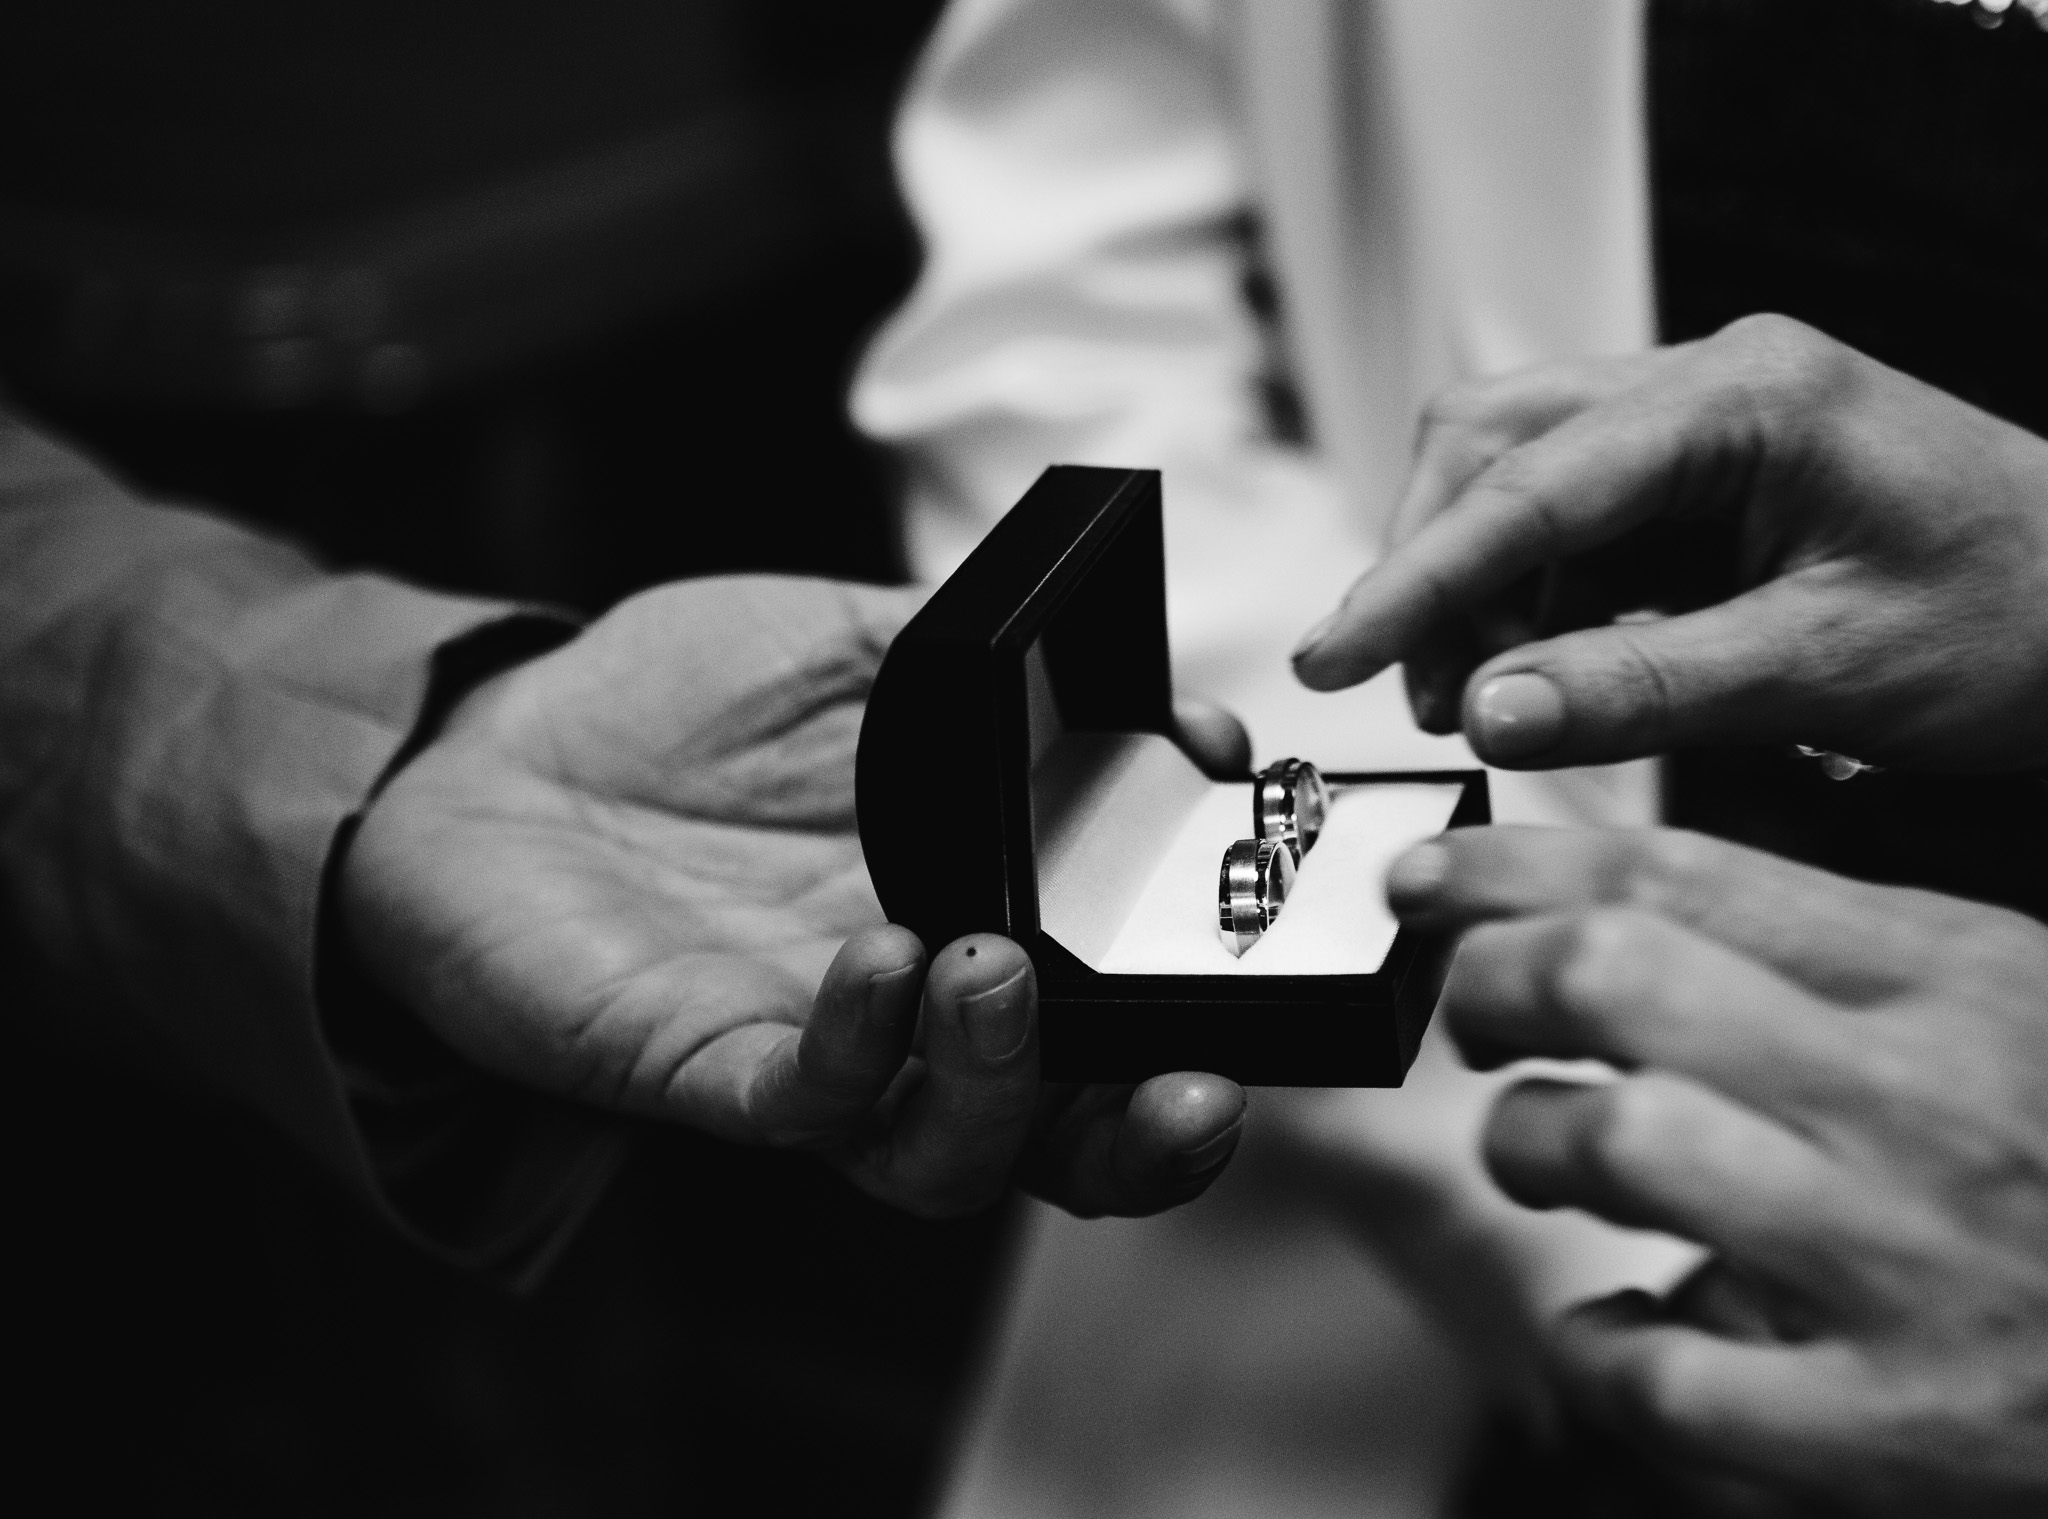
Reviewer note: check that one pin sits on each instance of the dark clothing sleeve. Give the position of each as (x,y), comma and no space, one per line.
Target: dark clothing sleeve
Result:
(190,716)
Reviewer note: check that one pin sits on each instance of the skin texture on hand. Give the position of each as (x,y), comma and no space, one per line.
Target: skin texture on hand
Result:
(1886,549)
(1841,1089)
(627,872)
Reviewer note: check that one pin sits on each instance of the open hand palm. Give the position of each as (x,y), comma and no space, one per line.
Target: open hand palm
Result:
(644,841)
(628,872)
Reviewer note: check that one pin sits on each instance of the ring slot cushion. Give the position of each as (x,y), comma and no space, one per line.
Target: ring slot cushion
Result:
(1015,732)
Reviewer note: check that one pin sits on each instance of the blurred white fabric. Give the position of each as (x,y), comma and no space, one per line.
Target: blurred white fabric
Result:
(1444,188)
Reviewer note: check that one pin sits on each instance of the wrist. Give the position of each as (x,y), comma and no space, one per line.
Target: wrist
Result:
(465,673)
(372,1032)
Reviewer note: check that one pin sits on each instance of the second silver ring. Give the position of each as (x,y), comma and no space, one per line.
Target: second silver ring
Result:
(1289,804)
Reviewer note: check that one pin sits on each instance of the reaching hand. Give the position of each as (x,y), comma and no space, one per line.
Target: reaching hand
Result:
(627,872)
(1888,551)
(1841,1089)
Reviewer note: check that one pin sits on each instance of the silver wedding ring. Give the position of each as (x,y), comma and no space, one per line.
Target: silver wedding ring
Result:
(1289,803)
(1257,875)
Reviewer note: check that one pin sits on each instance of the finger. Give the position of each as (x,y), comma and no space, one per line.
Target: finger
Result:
(1435,672)
(1846,940)
(1109,1150)
(1214,737)
(1762,667)
(1584,483)
(821,1085)
(955,1138)
(1467,426)
(1656,1151)
(1463,431)
(1809,1414)
(1440,664)
(1622,986)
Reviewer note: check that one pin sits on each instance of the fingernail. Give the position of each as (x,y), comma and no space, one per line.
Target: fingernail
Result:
(1417,875)
(1517,716)
(885,1004)
(998,1020)
(1210,1153)
(1313,636)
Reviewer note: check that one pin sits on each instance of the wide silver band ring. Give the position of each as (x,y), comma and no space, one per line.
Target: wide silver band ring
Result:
(1251,889)
(1289,804)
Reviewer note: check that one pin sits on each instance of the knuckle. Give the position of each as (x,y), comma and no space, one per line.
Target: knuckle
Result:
(1645,683)
(1996,940)
(1768,334)
(1785,361)
(1653,1392)
(822,1082)
(1516,484)
(1630,1130)
(1667,864)
(1604,958)
(1513,475)
(1765,330)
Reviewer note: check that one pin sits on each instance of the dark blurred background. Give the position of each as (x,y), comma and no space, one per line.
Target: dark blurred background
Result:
(523,298)
(559,301)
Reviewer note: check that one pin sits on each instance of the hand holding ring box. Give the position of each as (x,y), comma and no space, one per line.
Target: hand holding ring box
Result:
(1018,774)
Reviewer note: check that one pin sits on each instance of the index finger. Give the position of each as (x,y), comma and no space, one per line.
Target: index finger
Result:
(1584,483)
(1847,940)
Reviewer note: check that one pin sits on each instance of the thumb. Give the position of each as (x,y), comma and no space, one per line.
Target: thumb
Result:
(1743,671)
(1213,735)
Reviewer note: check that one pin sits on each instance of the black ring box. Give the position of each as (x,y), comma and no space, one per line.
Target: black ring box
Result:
(1069,591)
